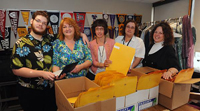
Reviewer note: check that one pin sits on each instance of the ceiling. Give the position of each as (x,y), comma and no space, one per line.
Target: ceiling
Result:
(144,1)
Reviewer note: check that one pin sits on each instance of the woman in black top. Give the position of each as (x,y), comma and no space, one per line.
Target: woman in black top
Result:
(161,54)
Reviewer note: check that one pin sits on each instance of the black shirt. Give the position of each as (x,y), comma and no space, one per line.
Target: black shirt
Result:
(164,58)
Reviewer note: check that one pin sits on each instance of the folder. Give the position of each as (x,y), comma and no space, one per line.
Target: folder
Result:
(121,57)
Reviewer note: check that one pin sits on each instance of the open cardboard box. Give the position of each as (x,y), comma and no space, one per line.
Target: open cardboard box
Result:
(172,95)
(78,85)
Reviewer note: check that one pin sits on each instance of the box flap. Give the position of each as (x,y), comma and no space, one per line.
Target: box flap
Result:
(191,81)
(145,69)
(136,73)
(166,88)
(90,84)
(78,86)
(61,99)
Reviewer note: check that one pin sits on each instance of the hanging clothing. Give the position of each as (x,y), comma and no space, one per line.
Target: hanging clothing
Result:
(187,45)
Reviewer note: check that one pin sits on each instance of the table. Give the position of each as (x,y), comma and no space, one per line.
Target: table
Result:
(182,108)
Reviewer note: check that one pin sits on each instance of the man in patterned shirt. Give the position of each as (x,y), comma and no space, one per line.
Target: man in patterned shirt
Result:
(31,61)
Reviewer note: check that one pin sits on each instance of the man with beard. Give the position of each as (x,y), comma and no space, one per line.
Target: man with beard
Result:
(31,61)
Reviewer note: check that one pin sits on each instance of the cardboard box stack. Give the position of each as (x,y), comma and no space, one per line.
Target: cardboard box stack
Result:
(146,95)
(173,94)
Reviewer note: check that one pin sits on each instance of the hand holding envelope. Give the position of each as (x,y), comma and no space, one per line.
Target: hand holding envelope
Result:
(121,58)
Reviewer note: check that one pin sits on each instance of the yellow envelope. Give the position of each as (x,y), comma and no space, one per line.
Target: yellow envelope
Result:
(95,95)
(184,75)
(72,100)
(121,58)
(124,86)
(106,77)
(149,81)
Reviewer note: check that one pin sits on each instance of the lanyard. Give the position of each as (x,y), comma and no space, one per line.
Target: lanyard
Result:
(128,41)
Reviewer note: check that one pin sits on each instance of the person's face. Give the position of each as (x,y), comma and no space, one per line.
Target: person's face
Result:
(68,30)
(39,25)
(158,35)
(99,30)
(130,29)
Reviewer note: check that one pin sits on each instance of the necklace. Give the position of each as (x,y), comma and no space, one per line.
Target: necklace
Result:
(101,51)
(101,54)
(128,41)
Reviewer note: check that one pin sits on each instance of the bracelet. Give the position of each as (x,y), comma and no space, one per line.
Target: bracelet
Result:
(170,71)
(173,74)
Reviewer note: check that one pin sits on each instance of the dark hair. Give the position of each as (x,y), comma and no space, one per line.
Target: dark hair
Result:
(100,22)
(42,13)
(167,32)
(72,22)
(136,27)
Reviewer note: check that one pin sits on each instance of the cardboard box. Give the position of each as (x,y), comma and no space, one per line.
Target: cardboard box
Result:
(141,99)
(78,85)
(171,95)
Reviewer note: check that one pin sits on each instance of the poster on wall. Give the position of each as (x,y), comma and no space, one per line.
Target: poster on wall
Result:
(121,19)
(130,17)
(111,31)
(138,19)
(54,20)
(22,31)
(14,19)
(112,19)
(87,31)
(105,17)
(2,22)
(25,16)
(5,43)
(80,19)
(64,14)
(116,32)
(92,16)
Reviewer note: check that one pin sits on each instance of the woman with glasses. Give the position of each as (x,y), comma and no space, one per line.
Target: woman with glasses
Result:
(129,38)
(101,48)
(69,48)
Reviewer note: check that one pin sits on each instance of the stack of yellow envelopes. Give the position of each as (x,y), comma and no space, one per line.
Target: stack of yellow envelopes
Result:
(94,95)
(106,77)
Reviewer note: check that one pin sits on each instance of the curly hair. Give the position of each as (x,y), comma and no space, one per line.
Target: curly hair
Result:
(42,13)
(167,32)
(100,22)
(136,27)
(72,22)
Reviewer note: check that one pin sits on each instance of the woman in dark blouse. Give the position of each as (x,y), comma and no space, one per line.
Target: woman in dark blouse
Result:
(161,54)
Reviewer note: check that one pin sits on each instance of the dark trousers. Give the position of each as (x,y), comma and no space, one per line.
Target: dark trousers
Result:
(37,100)
(90,75)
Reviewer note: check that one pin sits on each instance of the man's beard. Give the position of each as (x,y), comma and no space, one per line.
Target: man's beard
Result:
(37,32)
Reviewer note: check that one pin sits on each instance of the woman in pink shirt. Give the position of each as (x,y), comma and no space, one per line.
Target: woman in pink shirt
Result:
(101,48)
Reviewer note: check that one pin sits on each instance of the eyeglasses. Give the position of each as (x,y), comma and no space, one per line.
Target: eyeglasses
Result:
(99,29)
(39,21)
(130,27)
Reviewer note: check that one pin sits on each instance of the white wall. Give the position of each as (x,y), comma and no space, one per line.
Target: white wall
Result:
(196,23)
(171,10)
(106,6)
